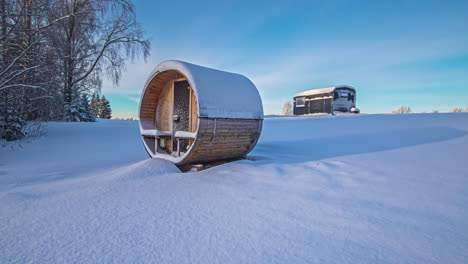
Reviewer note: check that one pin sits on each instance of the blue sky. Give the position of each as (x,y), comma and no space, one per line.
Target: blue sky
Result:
(393,52)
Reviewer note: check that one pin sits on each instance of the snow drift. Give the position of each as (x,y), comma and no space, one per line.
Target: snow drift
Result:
(346,189)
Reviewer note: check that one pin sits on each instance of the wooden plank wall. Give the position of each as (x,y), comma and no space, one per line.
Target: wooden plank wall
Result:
(233,138)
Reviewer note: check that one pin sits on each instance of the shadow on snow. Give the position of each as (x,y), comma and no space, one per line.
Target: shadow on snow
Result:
(303,150)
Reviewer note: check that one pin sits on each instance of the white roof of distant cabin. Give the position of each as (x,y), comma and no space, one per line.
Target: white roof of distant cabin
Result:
(322,90)
(219,94)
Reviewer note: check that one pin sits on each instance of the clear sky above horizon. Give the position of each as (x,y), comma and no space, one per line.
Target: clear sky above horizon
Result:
(393,52)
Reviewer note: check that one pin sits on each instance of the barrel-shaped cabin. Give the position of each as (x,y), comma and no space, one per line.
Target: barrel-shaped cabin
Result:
(325,100)
(191,114)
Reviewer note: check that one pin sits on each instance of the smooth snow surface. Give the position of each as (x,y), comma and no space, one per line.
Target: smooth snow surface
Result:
(343,189)
(219,94)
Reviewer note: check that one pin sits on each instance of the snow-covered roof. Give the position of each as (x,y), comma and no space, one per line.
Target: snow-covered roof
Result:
(322,90)
(219,94)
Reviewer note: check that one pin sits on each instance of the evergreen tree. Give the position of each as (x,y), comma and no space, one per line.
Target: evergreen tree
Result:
(79,108)
(95,103)
(87,115)
(105,108)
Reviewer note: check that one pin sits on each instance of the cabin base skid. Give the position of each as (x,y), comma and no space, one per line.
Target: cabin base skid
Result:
(205,166)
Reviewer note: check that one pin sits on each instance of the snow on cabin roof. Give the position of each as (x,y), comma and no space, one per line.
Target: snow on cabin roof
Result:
(322,90)
(219,94)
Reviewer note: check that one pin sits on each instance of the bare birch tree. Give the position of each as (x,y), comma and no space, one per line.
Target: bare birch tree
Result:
(53,54)
(99,37)
(287,108)
(402,110)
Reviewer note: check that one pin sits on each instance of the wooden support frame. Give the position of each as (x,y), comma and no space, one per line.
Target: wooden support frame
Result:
(190,107)
(172,114)
(178,147)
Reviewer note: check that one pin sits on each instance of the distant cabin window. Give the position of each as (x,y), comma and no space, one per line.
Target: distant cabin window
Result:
(300,101)
(344,95)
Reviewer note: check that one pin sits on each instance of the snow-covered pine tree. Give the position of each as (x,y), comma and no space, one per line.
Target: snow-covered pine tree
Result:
(87,114)
(105,108)
(79,109)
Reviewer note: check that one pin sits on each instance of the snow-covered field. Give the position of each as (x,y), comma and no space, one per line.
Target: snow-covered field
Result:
(345,189)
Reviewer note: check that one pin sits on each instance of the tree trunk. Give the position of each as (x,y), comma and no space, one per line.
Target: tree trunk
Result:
(69,66)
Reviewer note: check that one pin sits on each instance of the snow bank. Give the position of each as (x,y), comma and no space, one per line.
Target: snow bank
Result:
(73,149)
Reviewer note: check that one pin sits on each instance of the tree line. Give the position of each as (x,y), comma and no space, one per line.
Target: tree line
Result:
(100,107)
(403,109)
(54,54)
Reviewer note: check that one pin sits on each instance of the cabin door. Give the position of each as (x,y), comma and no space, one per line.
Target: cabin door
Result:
(181,113)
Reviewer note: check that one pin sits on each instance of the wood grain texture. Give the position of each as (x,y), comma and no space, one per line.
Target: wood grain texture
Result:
(232,139)
(165,109)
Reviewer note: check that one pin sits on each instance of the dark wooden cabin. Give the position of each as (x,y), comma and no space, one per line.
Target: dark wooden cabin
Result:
(325,100)
(191,114)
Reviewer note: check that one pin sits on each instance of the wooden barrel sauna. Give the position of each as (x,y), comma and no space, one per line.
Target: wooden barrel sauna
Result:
(191,114)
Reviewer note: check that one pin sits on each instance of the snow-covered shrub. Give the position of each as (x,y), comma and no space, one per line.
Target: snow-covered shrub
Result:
(402,110)
(435,111)
(34,129)
(11,124)
(30,131)
(457,110)
(287,108)
(466,110)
